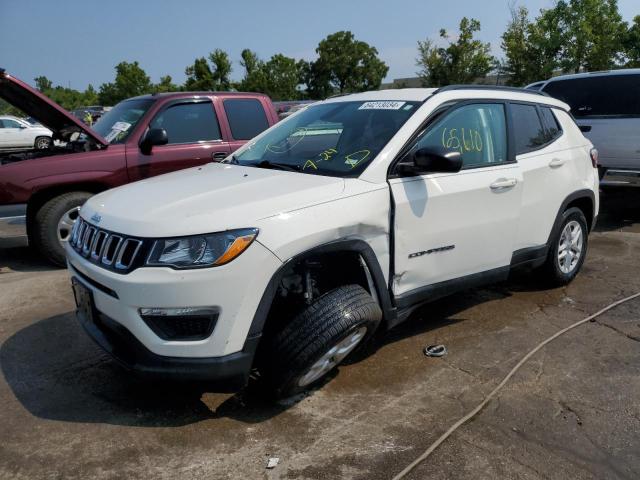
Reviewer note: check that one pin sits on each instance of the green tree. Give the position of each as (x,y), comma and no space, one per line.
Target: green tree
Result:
(202,76)
(254,79)
(632,44)
(531,48)
(345,65)
(594,34)
(461,61)
(279,77)
(165,85)
(43,83)
(130,81)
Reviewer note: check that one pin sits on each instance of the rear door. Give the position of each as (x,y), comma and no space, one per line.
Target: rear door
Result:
(246,118)
(610,106)
(454,225)
(548,170)
(194,137)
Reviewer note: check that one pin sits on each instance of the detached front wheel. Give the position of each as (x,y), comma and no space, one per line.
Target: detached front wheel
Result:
(319,338)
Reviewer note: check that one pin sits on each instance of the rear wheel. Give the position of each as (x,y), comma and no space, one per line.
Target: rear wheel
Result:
(319,338)
(53,223)
(42,143)
(568,249)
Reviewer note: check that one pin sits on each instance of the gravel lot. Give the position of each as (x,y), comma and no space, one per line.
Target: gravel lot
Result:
(572,412)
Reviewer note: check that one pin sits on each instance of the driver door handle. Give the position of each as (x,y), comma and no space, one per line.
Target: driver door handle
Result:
(219,155)
(503,184)
(556,162)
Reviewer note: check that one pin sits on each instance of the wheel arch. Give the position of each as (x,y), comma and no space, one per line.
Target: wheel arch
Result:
(354,247)
(42,196)
(585,200)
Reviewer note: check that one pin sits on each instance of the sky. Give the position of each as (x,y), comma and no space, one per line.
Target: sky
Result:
(79,42)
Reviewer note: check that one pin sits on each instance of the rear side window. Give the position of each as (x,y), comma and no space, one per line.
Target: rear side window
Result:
(606,95)
(477,131)
(246,117)
(188,123)
(550,123)
(529,132)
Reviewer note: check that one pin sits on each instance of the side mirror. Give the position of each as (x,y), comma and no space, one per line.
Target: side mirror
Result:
(431,160)
(22,127)
(153,137)
(585,128)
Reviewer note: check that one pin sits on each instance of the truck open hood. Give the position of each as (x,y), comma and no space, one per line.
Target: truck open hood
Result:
(211,198)
(46,111)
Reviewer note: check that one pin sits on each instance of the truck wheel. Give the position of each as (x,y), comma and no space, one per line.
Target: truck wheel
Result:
(319,338)
(53,223)
(568,249)
(42,143)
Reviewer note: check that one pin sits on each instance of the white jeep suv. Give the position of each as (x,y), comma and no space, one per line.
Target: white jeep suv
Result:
(333,224)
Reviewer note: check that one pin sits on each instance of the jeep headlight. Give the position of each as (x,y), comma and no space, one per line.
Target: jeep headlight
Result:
(197,251)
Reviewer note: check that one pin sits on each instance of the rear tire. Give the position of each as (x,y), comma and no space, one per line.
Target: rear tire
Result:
(52,225)
(567,250)
(42,143)
(319,338)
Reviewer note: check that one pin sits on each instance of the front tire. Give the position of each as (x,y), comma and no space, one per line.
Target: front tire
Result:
(42,143)
(53,223)
(568,249)
(319,338)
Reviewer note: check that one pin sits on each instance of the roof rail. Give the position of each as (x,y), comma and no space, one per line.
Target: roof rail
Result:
(489,87)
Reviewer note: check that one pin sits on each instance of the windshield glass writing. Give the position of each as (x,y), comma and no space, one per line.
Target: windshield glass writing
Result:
(336,139)
(116,125)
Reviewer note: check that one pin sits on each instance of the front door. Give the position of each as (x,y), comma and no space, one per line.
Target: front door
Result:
(194,139)
(449,226)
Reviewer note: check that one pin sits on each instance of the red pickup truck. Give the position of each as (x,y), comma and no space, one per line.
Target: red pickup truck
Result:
(43,190)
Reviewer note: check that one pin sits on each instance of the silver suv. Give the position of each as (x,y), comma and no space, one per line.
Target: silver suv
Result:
(606,106)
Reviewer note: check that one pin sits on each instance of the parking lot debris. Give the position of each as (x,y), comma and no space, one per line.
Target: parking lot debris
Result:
(435,351)
(273,462)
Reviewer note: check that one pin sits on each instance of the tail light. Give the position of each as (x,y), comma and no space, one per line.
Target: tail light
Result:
(594,157)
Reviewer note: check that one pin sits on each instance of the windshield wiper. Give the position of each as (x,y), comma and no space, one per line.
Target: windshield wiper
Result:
(278,166)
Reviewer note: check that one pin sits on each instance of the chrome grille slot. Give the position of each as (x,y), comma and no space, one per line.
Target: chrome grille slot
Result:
(98,244)
(127,253)
(81,229)
(87,239)
(108,250)
(111,249)
(74,232)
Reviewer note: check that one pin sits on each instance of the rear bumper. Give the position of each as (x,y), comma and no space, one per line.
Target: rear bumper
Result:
(13,220)
(613,177)
(228,373)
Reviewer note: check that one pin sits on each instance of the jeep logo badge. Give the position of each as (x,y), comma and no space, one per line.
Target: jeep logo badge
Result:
(96,218)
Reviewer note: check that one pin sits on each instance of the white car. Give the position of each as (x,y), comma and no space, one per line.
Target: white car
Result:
(18,133)
(331,225)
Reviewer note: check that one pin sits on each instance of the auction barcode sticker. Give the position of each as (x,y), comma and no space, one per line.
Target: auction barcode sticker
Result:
(383,105)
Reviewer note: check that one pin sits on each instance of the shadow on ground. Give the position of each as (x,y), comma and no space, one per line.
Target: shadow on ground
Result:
(17,256)
(619,209)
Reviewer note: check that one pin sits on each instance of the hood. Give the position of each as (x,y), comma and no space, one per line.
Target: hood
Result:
(211,198)
(47,112)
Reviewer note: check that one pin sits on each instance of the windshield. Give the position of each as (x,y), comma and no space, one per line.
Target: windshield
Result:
(336,139)
(116,125)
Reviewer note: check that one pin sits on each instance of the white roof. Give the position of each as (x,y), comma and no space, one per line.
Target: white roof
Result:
(422,94)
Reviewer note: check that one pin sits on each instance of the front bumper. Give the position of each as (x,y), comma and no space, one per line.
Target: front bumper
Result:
(13,220)
(234,290)
(228,373)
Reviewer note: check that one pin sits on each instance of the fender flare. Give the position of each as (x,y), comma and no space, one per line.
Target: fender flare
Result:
(585,193)
(344,245)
